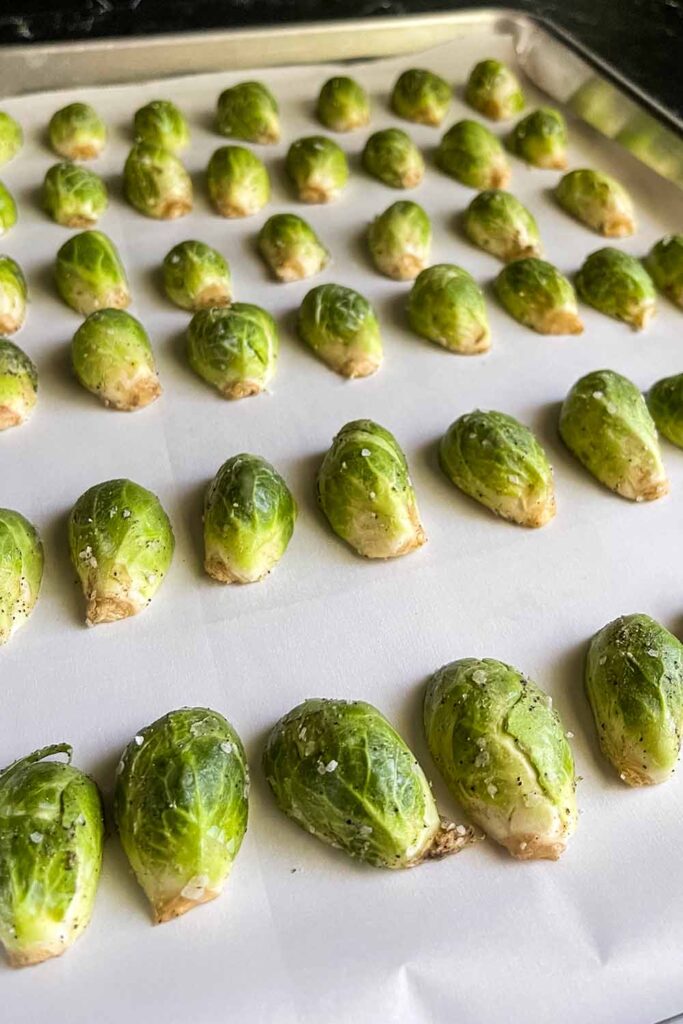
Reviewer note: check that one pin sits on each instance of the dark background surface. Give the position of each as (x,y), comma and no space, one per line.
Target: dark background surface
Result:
(643,38)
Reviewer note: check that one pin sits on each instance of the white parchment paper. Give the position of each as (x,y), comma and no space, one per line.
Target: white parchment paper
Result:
(302,934)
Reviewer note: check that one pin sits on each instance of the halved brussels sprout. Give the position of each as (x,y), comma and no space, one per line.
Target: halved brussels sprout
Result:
(598,201)
(74,196)
(21,572)
(503,752)
(50,855)
(421,96)
(249,112)
(156,183)
(343,105)
(234,349)
(400,240)
(498,223)
(365,490)
(8,210)
(121,546)
(494,90)
(473,155)
(160,123)
(181,805)
(77,132)
(339,770)
(446,305)
(249,517)
(18,385)
(537,295)
(496,460)
(392,157)
(341,327)
(540,139)
(112,357)
(634,683)
(238,182)
(318,168)
(291,247)
(618,285)
(197,277)
(13,296)
(664,263)
(90,275)
(11,138)
(605,422)
(665,402)
(600,104)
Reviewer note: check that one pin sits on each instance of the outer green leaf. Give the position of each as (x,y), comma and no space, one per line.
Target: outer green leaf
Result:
(21,571)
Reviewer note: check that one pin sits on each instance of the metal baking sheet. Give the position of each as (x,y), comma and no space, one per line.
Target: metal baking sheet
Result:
(301,933)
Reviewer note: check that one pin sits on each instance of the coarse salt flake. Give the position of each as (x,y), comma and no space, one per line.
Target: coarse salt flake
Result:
(227,747)
(36,837)
(365,452)
(138,740)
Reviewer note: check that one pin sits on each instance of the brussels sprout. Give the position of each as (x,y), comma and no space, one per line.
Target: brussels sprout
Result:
(196,276)
(446,305)
(156,183)
(121,545)
(540,139)
(421,96)
(74,196)
(498,223)
(654,145)
(13,296)
(400,240)
(665,402)
(11,138)
(291,247)
(318,169)
(392,157)
(181,808)
(365,490)
(537,295)
(21,572)
(234,349)
(472,155)
(343,105)
(249,112)
(342,329)
(600,105)
(618,285)
(161,124)
(8,210)
(238,182)
(340,771)
(18,385)
(664,264)
(77,132)
(90,275)
(50,855)
(494,91)
(598,201)
(605,423)
(634,683)
(503,753)
(112,357)
(249,517)
(497,461)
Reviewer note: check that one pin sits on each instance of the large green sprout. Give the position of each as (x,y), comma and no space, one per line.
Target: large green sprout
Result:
(90,275)
(18,385)
(447,306)
(249,112)
(343,105)
(503,752)
(77,132)
(618,285)
(197,276)
(112,356)
(11,137)
(51,835)
(74,196)
(392,157)
(237,181)
(605,422)
(121,546)
(365,490)
(540,139)
(160,123)
(400,240)
(634,682)
(537,295)
(156,182)
(421,96)
(13,296)
(181,808)
(473,155)
(494,90)
(341,772)
(318,169)
(341,327)
(598,201)
(498,223)
(21,571)
(291,247)
(249,517)
(234,349)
